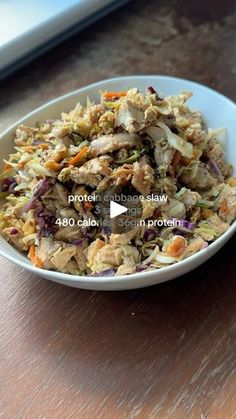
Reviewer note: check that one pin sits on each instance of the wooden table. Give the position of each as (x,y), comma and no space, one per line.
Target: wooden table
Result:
(164,352)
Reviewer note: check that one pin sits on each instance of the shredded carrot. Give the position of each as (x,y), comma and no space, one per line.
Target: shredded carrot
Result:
(21,165)
(28,148)
(78,156)
(7,166)
(88,205)
(60,156)
(34,258)
(38,263)
(224,206)
(113,95)
(52,165)
(43,146)
(32,252)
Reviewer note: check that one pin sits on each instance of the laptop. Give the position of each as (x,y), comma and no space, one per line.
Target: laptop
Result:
(30,27)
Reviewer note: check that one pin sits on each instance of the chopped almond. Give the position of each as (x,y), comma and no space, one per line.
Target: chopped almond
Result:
(52,165)
(207,213)
(60,156)
(176,247)
(88,205)
(29,226)
(231,181)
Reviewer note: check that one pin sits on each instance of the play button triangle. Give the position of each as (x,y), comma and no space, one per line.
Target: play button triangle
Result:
(116,209)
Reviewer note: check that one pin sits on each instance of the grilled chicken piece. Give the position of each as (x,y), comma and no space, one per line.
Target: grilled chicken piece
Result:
(58,194)
(163,157)
(79,176)
(124,238)
(89,174)
(116,255)
(109,143)
(188,197)
(148,208)
(194,246)
(217,155)
(142,178)
(47,247)
(225,204)
(130,117)
(199,179)
(62,256)
(68,233)
(125,269)
(15,239)
(80,258)
(122,175)
(93,249)
(97,166)
(57,255)
(174,209)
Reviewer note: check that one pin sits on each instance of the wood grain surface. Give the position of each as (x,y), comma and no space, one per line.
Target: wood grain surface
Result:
(167,351)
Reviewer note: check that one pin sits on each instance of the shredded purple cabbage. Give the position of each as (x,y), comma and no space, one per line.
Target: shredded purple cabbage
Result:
(151,90)
(78,242)
(149,235)
(69,185)
(40,189)
(106,272)
(43,186)
(8,184)
(106,231)
(141,268)
(88,235)
(187,224)
(14,231)
(37,142)
(215,169)
(32,204)
(181,233)
(46,221)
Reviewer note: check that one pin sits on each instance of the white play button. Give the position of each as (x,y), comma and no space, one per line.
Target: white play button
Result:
(116,209)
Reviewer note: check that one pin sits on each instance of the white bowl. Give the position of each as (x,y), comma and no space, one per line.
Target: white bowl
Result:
(218,111)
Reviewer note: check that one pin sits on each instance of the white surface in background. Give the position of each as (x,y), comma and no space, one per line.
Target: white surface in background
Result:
(27,24)
(19,16)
